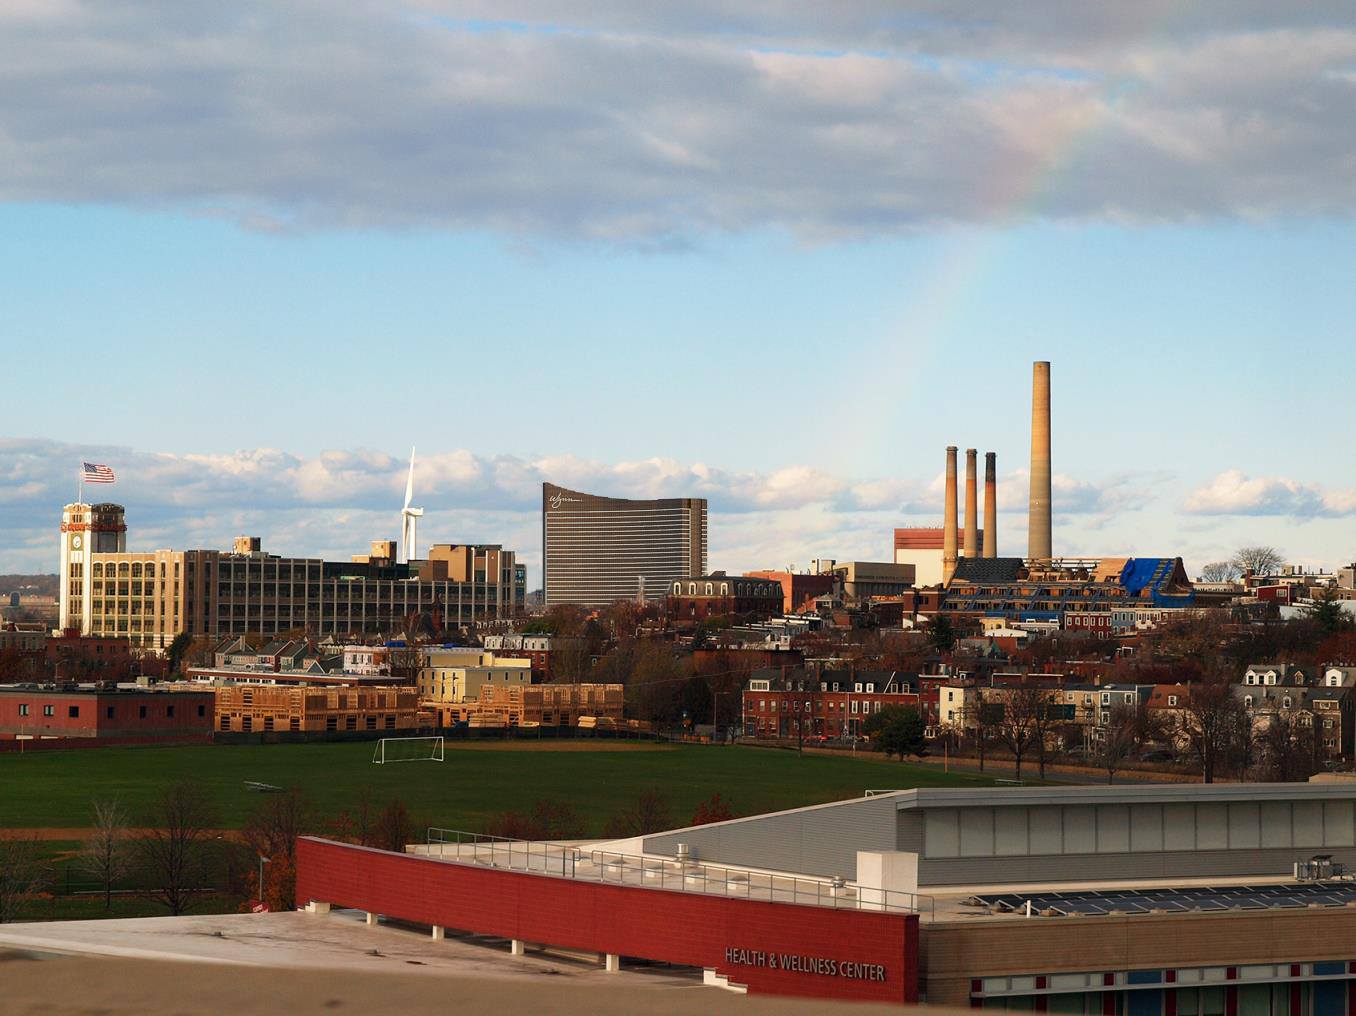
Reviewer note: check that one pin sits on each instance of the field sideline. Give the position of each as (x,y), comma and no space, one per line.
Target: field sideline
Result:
(54,789)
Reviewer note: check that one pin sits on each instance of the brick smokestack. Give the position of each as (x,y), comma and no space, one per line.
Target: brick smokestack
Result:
(990,504)
(1038,518)
(949,518)
(971,505)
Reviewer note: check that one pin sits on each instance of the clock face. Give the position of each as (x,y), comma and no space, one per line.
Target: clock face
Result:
(75,542)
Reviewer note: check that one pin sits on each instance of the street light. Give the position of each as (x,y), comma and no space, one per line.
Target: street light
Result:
(262,861)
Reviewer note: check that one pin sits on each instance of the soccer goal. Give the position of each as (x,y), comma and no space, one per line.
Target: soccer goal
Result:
(408,749)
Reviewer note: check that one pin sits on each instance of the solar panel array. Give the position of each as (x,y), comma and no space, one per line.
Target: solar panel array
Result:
(1195,899)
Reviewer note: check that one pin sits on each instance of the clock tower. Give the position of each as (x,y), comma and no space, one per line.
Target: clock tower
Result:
(86,530)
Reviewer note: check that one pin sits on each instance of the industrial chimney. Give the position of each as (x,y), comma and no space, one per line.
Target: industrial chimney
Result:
(949,518)
(971,505)
(990,504)
(1038,519)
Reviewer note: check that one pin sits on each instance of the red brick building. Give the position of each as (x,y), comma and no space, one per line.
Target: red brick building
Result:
(139,715)
(799,591)
(1093,622)
(835,706)
(720,595)
(71,655)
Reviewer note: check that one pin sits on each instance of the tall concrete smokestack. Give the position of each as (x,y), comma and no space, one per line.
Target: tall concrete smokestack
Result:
(971,505)
(990,504)
(1038,518)
(949,518)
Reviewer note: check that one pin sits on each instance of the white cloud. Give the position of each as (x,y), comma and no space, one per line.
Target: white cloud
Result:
(654,123)
(1233,492)
(333,503)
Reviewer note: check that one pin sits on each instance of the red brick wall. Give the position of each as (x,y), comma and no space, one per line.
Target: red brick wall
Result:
(691,929)
(93,719)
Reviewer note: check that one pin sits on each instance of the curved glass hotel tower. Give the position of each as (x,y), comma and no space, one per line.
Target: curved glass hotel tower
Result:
(596,550)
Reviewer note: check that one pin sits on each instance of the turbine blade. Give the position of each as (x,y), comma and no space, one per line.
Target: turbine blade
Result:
(409,482)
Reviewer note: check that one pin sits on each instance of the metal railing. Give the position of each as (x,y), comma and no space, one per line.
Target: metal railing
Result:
(503,852)
(746,883)
(677,874)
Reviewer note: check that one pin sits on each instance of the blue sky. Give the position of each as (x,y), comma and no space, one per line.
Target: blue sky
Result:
(771,260)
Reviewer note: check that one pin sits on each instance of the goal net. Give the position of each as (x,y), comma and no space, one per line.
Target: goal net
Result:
(408,749)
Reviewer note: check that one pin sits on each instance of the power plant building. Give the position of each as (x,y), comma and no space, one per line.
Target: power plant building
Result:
(149,597)
(597,550)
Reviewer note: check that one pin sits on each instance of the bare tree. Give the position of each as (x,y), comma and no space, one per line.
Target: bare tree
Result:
(1289,747)
(1215,726)
(1257,560)
(1144,725)
(106,854)
(23,872)
(1017,727)
(1120,740)
(173,849)
(1220,571)
(1044,708)
(988,717)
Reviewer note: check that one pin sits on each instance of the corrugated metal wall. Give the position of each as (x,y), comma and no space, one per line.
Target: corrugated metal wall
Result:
(1000,845)
(820,841)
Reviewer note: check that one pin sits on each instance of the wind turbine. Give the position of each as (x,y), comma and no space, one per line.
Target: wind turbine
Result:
(409,518)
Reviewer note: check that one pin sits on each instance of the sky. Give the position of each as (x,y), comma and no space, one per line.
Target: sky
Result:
(773,254)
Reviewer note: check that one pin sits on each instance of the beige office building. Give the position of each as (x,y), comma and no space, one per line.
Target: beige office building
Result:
(458,675)
(149,597)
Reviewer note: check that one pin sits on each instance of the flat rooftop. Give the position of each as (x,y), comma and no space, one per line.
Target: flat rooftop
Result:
(296,940)
(318,965)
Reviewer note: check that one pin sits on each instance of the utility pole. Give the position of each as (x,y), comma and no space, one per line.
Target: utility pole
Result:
(262,861)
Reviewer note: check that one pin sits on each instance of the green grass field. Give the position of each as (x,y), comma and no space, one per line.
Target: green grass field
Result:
(53,789)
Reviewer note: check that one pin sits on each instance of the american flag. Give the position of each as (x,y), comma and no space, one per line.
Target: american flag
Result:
(95,473)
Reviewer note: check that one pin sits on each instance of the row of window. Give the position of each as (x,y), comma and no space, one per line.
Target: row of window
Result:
(73,712)
(770,706)
(387,722)
(134,569)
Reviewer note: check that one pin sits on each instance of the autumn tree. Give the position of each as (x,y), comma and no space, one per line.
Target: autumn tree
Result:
(548,820)
(649,813)
(106,854)
(713,809)
(394,828)
(173,849)
(357,824)
(271,831)
(654,685)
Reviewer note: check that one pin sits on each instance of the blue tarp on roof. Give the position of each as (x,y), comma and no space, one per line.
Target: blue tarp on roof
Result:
(1144,571)
(1152,573)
